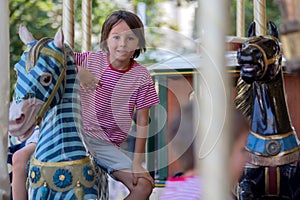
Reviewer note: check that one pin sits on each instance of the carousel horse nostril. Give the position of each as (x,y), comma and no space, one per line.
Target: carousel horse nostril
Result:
(20,119)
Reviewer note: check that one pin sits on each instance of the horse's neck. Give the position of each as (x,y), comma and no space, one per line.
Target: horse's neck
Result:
(61,130)
(270,111)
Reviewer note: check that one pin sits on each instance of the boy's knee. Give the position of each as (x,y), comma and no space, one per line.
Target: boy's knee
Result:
(144,186)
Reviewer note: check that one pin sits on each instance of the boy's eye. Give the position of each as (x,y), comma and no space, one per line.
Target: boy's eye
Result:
(130,38)
(116,37)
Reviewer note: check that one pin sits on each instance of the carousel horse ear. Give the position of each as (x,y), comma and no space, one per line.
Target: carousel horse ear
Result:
(25,36)
(272,29)
(251,30)
(59,38)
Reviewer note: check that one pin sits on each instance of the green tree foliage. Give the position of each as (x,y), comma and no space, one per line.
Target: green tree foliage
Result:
(43,18)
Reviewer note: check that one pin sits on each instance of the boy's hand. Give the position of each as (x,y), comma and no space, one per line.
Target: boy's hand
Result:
(87,80)
(140,172)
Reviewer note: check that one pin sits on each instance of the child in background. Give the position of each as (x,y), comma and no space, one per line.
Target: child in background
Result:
(239,139)
(19,156)
(180,137)
(113,85)
(238,156)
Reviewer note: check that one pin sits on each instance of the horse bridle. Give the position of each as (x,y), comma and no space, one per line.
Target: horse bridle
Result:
(33,54)
(267,61)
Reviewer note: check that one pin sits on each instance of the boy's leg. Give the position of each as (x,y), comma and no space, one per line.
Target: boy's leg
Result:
(115,162)
(19,162)
(142,190)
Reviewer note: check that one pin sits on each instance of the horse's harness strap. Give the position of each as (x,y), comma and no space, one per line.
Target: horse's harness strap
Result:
(273,160)
(266,60)
(34,53)
(272,137)
(272,150)
(62,60)
(54,54)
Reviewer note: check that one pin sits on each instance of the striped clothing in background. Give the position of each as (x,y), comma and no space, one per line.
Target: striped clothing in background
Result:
(108,110)
(182,188)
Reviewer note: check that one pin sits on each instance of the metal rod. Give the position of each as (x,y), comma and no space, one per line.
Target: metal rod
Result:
(68,21)
(240,18)
(4,98)
(86,25)
(212,95)
(259,12)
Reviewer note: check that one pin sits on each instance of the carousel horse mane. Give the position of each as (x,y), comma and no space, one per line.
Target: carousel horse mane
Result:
(243,98)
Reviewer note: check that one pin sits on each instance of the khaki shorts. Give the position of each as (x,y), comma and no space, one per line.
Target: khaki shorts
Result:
(108,156)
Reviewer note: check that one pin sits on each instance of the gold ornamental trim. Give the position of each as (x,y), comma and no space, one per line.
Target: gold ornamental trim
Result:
(60,164)
(289,157)
(272,137)
(267,182)
(75,168)
(283,153)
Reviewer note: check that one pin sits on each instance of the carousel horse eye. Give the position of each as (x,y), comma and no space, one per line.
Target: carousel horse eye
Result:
(46,79)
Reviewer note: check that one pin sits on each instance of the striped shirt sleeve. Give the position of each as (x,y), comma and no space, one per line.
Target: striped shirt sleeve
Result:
(147,95)
(81,59)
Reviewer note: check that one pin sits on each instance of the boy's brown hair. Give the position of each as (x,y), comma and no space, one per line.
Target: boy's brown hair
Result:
(134,23)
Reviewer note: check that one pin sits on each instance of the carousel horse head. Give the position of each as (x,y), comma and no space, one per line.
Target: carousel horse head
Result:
(260,56)
(47,94)
(41,80)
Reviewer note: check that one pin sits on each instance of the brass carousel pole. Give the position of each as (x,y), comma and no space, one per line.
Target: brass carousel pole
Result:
(68,21)
(4,98)
(212,94)
(86,25)
(240,18)
(259,12)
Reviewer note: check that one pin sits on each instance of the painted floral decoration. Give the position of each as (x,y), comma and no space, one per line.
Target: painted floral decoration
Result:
(88,173)
(35,174)
(62,178)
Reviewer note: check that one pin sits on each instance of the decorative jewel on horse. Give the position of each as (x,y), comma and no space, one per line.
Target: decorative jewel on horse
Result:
(272,146)
(47,94)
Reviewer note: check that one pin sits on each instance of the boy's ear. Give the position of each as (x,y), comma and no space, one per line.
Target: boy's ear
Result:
(59,38)
(25,36)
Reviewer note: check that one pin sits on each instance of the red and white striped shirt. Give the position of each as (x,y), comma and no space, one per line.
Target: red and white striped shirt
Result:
(108,111)
(179,188)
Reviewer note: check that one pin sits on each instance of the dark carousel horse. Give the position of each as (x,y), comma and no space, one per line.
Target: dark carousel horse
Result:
(272,171)
(47,94)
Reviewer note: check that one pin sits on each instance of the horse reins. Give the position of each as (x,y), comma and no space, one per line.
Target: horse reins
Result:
(33,54)
(266,60)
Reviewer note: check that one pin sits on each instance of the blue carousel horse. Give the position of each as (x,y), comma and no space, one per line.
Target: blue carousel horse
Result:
(272,171)
(47,94)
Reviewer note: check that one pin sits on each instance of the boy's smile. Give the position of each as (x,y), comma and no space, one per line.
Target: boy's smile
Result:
(122,43)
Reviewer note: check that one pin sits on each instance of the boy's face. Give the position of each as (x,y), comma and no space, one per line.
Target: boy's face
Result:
(122,43)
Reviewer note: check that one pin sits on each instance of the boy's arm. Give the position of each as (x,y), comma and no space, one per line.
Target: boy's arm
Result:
(142,123)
